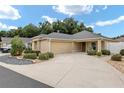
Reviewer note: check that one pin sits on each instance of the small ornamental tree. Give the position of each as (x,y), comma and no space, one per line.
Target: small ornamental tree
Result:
(17,46)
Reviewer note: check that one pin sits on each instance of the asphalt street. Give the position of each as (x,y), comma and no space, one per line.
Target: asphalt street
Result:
(11,79)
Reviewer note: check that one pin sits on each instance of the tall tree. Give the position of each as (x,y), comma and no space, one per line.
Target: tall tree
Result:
(45,27)
(30,30)
(70,24)
(3,33)
(89,29)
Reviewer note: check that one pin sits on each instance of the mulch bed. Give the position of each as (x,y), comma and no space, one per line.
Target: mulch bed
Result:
(119,65)
(13,60)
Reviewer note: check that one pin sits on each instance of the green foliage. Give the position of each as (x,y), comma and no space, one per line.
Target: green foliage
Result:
(106,52)
(122,52)
(28,50)
(46,56)
(50,54)
(46,27)
(116,57)
(91,52)
(30,55)
(43,56)
(67,26)
(30,30)
(3,33)
(99,53)
(89,29)
(17,46)
(13,52)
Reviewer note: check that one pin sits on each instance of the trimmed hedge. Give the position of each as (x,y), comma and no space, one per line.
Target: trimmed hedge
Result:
(43,56)
(99,53)
(46,56)
(91,52)
(116,57)
(122,52)
(106,52)
(50,54)
(30,55)
(31,51)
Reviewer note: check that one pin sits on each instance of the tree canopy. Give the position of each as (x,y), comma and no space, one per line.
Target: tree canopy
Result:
(67,26)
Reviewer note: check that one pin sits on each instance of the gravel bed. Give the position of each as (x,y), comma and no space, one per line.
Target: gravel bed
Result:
(13,60)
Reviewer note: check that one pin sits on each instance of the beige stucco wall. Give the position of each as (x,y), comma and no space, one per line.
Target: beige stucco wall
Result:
(88,45)
(34,45)
(40,45)
(44,46)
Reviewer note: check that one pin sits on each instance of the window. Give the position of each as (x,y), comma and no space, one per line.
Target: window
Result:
(93,44)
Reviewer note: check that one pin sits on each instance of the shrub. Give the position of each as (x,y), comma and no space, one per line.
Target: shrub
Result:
(17,46)
(37,52)
(30,55)
(13,52)
(44,56)
(50,54)
(91,52)
(28,50)
(106,52)
(116,57)
(122,52)
(99,53)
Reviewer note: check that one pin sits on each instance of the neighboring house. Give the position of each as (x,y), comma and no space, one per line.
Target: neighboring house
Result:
(6,42)
(115,47)
(64,43)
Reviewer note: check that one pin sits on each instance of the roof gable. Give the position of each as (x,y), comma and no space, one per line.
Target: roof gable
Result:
(86,34)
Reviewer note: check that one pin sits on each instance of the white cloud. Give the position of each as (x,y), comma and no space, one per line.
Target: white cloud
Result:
(6,27)
(9,12)
(49,19)
(110,22)
(105,7)
(73,9)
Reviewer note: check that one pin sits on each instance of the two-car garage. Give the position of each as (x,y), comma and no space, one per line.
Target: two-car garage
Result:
(66,47)
(59,46)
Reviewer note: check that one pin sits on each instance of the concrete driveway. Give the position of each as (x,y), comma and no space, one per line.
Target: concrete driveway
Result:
(73,70)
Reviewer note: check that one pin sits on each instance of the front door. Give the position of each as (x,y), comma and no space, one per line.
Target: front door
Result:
(83,46)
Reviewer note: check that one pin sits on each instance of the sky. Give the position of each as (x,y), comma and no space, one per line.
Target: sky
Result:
(107,20)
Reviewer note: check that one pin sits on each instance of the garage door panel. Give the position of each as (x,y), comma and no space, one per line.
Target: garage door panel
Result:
(61,47)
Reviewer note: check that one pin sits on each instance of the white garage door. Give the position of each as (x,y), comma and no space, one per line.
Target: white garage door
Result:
(115,47)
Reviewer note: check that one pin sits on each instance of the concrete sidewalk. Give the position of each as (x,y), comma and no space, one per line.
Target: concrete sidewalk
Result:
(73,70)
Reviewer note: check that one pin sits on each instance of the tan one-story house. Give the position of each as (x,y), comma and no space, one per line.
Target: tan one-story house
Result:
(64,43)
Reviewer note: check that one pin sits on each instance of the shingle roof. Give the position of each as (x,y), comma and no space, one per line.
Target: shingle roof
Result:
(8,40)
(80,35)
(39,36)
(86,34)
(59,35)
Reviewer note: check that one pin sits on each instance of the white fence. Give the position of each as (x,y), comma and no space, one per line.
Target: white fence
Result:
(115,47)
